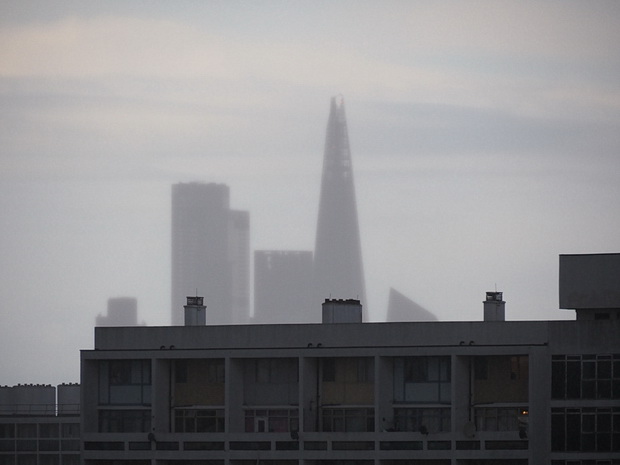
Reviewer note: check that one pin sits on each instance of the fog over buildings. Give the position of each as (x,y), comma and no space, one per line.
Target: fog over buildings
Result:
(122,311)
(485,140)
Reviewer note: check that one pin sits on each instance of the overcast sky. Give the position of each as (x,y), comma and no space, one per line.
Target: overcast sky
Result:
(485,139)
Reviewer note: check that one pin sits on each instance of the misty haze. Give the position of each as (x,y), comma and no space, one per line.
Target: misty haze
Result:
(482,140)
(309,233)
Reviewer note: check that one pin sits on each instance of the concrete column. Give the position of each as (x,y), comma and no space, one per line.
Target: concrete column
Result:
(89,395)
(461,396)
(235,419)
(384,393)
(308,372)
(539,418)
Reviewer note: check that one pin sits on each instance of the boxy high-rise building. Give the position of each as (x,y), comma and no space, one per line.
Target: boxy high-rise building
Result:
(210,252)
(282,289)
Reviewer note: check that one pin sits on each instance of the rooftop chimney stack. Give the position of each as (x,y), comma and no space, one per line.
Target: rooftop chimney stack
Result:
(494,307)
(195,312)
(342,311)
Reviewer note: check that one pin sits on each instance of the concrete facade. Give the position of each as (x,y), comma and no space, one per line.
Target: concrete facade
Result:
(488,392)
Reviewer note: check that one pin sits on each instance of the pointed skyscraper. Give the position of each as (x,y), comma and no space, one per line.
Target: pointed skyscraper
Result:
(338,268)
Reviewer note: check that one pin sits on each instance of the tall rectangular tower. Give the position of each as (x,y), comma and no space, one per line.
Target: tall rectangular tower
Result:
(283,287)
(210,251)
(239,255)
(338,268)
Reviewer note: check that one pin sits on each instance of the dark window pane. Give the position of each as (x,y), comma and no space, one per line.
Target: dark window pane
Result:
(588,442)
(329,369)
(604,369)
(180,371)
(573,380)
(27,444)
(416,369)
(589,370)
(27,430)
(49,444)
(558,432)
(603,442)
(588,423)
(7,445)
(558,379)
(70,430)
(603,422)
(7,431)
(588,389)
(573,431)
(604,389)
(48,430)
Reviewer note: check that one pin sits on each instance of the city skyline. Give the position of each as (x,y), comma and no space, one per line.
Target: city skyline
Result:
(485,135)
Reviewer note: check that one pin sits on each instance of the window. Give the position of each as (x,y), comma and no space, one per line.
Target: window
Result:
(71,430)
(199,421)
(329,370)
(271,420)
(46,459)
(365,370)
(7,430)
(49,430)
(26,430)
(481,368)
(124,421)
(180,371)
(216,372)
(586,429)
(501,418)
(275,371)
(422,379)
(125,382)
(431,420)
(585,376)
(518,367)
(348,419)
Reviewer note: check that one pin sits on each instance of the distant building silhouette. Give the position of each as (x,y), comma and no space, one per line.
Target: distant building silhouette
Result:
(239,256)
(338,267)
(210,252)
(402,308)
(122,311)
(282,290)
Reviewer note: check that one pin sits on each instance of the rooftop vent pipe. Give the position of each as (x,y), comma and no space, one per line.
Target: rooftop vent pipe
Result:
(494,307)
(195,312)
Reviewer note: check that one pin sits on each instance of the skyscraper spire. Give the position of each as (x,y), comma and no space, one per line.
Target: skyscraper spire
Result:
(338,269)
